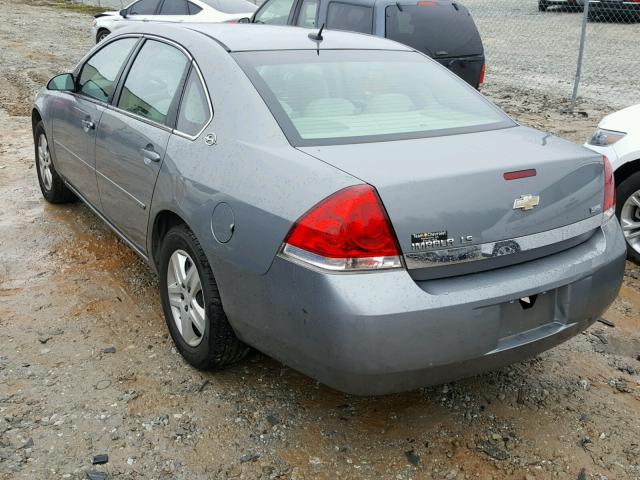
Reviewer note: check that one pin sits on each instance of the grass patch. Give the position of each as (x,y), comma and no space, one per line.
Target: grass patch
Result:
(78,7)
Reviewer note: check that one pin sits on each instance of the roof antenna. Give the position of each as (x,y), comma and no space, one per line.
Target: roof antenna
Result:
(317,37)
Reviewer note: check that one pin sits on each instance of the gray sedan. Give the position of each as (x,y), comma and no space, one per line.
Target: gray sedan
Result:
(338,201)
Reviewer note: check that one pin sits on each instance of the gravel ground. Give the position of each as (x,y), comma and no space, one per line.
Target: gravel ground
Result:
(87,367)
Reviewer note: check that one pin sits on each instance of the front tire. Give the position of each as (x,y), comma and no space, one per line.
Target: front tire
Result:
(102,34)
(51,185)
(628,213)
(192,306)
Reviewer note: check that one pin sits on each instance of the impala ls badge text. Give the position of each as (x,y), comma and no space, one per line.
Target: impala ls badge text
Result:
(526,202)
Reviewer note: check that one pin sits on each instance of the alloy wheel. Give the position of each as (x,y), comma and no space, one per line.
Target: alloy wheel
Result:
(186,297)
(630,220)
(44,162)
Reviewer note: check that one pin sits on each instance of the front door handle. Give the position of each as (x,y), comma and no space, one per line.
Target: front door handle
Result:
(148,153)
(87,125)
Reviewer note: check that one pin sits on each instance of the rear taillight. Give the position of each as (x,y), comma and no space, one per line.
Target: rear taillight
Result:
(347,231)
(482,72)
(609,205)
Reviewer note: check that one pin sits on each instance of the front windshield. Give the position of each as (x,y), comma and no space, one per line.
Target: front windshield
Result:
(347,96)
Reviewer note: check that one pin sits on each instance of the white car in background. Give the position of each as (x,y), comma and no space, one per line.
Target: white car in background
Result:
(618,137)
(202,11)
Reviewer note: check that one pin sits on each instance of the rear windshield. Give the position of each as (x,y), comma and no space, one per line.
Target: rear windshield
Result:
(350,96)
(439,30)
(231,6)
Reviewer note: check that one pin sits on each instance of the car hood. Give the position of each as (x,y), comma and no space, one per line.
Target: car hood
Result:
(623,120)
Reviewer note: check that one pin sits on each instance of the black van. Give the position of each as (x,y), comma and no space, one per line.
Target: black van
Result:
(444,30)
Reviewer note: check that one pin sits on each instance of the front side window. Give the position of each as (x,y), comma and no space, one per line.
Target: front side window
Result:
(98,76)
(174,7)
(194,110)
(144,7)
(152,82)
(307,15)
(275,12)
(351,96)
(346,16)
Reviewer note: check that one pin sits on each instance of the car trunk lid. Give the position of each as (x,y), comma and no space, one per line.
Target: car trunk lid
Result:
(448,193)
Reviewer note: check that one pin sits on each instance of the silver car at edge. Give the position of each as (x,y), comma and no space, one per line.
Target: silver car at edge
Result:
(338,201)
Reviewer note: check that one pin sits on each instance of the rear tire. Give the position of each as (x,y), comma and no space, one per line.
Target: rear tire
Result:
(51,185)
(628,212)
(192,306)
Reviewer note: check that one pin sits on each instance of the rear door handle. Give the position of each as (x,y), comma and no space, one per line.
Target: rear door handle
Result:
(148,153)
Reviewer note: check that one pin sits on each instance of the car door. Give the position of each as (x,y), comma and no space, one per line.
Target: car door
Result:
(133,135)
(77,115)
(275,12)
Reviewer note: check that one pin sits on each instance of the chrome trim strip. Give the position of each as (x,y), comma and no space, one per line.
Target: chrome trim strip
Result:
(140,118)
(343,266)
(115,229)
(486,251)
(210,105)
(57,143)
(140,204)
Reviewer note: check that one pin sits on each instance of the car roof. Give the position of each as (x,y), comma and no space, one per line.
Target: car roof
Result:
(240,37)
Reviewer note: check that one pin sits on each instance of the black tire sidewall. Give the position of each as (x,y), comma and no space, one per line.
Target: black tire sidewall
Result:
(58,193)
(623,191)
(180,239)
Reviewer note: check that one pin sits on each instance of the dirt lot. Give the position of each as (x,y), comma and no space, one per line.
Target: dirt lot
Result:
(69,290)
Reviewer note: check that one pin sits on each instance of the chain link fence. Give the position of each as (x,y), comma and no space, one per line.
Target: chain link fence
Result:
(536,45)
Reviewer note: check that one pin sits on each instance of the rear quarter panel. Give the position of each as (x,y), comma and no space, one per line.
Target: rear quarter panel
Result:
(267,183)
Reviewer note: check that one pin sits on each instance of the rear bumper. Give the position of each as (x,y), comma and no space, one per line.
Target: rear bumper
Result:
(383,332)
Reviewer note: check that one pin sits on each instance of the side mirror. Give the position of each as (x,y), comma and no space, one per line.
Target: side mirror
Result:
(62,83)
(123,13)
(244,20)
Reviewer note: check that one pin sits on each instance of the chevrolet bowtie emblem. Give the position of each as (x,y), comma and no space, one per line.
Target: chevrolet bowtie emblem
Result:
(526,202)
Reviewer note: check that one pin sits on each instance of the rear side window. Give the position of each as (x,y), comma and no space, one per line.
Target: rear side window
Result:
(151,85)
(439,30)
(193,8)
(346,16)
(194,110)
(98,75)
(307,15)
(174,7)
(275,12)
(144,7)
